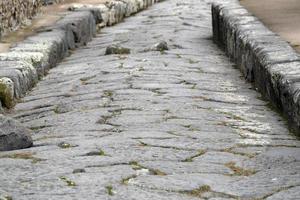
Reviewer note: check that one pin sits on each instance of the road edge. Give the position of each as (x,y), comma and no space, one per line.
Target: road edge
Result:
(264,58)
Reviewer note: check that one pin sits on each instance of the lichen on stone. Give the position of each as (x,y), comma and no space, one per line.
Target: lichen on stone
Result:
(7,92)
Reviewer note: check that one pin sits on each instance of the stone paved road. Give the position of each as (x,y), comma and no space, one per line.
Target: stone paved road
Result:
(176,124)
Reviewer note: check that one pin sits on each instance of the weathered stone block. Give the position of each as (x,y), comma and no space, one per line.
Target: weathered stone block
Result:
(13,135)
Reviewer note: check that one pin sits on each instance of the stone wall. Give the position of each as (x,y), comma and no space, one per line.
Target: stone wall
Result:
(14,13)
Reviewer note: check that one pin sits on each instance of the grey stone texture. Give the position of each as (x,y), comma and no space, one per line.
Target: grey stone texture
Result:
(263,57)
(13,135)
(30,60)
(179,124)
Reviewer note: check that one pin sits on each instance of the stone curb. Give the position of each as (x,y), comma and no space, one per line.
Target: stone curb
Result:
(263,57)
(28,61)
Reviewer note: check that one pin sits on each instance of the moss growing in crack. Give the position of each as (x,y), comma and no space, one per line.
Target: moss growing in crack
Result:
(157,172)
(135,165)
(191,61)
(104,119)
(78,171)
(173,133)
(187,126)
(108,93)
(178,56)
(141,69)
(199,191)
(230,150)
(163,52)
(60,110)
(24,155)
(190,127)
(190,159)
(143,144)
(36,128)
(170,117)
(233,116)
(238,171)
(126,180)
(109,190)
(65,145)
(6,95)
(87,78)
(69,183)
(100,152)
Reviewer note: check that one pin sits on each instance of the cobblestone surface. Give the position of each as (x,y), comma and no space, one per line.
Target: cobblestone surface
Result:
(171,124)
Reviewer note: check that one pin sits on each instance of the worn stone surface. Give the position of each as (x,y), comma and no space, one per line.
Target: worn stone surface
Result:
(13,135)
(178,124)
(264,58)
(44,50)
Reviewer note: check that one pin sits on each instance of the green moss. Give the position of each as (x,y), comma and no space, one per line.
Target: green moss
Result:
(230,150)
(190,159)
(143,144)
(191,61)
(36,128)
(157,172)
(109,190)
(64,145)
(178,56)
(78,171)
(126,180)
(6,97)
(238,171)
(100,152)
(108,93)
(69,183)
(194,86)
(87,78)
(199,191)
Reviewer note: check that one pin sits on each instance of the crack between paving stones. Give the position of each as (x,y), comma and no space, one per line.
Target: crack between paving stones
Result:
(143,144)
(187,192)
(277,191)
